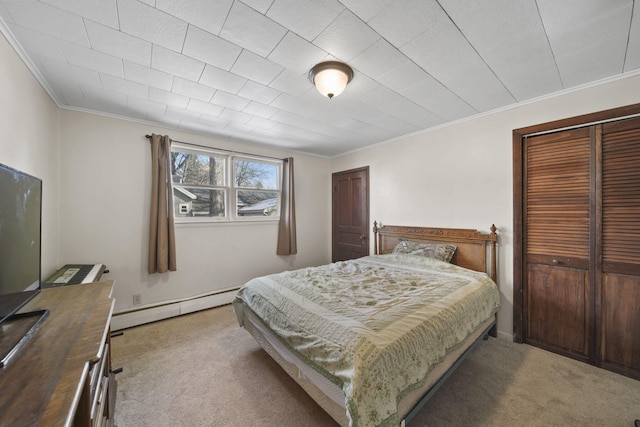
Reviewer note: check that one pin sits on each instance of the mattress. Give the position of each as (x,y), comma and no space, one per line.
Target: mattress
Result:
(374,328)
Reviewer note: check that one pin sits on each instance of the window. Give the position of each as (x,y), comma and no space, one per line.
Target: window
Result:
(215,186)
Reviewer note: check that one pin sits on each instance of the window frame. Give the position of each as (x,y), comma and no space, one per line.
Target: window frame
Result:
(229,186)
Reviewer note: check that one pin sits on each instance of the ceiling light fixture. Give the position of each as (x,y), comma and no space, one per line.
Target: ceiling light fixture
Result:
(331,77)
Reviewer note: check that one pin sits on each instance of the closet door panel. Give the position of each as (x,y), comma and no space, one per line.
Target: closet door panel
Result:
(619,314)
(621,321)
(558,308)
(557,189)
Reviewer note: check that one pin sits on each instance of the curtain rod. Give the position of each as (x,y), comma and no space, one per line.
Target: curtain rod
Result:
(222,149)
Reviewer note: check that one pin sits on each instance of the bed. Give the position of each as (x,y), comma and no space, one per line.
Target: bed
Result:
(371,339)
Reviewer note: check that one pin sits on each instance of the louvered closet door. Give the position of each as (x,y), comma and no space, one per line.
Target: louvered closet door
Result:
(557,226)
(620,289)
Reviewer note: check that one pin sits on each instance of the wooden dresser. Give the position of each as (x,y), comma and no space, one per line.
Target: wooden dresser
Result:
(62,376)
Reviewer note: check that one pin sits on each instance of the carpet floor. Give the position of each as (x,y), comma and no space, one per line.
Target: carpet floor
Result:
(202,369)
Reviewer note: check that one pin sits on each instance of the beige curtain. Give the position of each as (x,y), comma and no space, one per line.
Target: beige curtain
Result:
(162,247)
(287,230)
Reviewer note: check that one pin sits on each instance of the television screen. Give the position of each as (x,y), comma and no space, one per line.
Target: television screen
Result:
(20,214)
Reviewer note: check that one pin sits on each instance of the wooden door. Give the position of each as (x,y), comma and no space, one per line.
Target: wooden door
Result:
(350,213)
(619,302)
(558,181)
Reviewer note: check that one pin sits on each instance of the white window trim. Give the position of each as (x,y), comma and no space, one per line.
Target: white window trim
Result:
(230,188)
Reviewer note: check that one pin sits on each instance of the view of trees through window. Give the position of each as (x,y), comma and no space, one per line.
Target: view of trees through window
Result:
(206,184)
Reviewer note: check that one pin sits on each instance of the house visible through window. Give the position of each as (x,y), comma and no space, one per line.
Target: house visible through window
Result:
(209,185)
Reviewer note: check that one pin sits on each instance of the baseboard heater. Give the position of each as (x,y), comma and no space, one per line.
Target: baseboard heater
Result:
(165,310)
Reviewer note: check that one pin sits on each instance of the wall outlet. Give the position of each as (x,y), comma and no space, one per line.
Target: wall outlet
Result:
(137,299)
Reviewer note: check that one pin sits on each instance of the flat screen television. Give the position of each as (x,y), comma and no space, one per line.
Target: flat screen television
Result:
(20,251)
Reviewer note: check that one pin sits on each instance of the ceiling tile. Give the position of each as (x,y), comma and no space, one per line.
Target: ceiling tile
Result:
(151,24)
(221,79)
(102,11)
(228,100)
(447,56)
(124,87)
(210,49)
(406,20)
(5,15)
(96,98)
(147,109)
(632,60)
(206,14)
(259,122)
(606,58)
(177,64)
(38,43)
(574,24)
(511,38)
(597,34)
(169,98)
(92,60)
(260,110)
(254,67)
(238,128)
(294,84)
(257,92)
(192,90)
(182,114)
(378,59)
(146,75)
(64,71)
(235,116)
(261,6)
(403,75)
(297,54)
(252,30)
(306,18)
(64,91)
(432,95)
(48,20)
(117,43)
(204,108)
(366,9)
(213,121)
(398,106)
(346,37)
(378,118)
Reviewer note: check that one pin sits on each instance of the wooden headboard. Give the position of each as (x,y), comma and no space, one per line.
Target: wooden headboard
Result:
(472,244)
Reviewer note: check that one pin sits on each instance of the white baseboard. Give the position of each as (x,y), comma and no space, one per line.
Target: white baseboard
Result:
(505,336)
(131,318)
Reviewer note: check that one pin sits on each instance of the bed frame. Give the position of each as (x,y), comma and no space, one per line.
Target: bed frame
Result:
(471,253)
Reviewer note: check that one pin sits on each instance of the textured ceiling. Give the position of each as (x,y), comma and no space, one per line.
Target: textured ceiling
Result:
(238,69)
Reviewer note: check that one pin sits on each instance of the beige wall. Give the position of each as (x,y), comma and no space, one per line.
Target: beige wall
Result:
(96,180)
(29,125)
(105,180)
(460,175)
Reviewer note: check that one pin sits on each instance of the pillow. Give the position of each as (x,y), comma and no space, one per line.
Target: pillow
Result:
(404,247)
(440,251)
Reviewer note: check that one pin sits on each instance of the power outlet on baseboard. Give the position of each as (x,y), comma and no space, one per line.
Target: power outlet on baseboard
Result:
(137,299)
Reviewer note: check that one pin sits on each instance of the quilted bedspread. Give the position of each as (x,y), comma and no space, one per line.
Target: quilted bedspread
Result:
(375,326)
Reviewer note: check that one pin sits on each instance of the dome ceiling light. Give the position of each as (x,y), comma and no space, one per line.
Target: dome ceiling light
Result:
(331,77)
